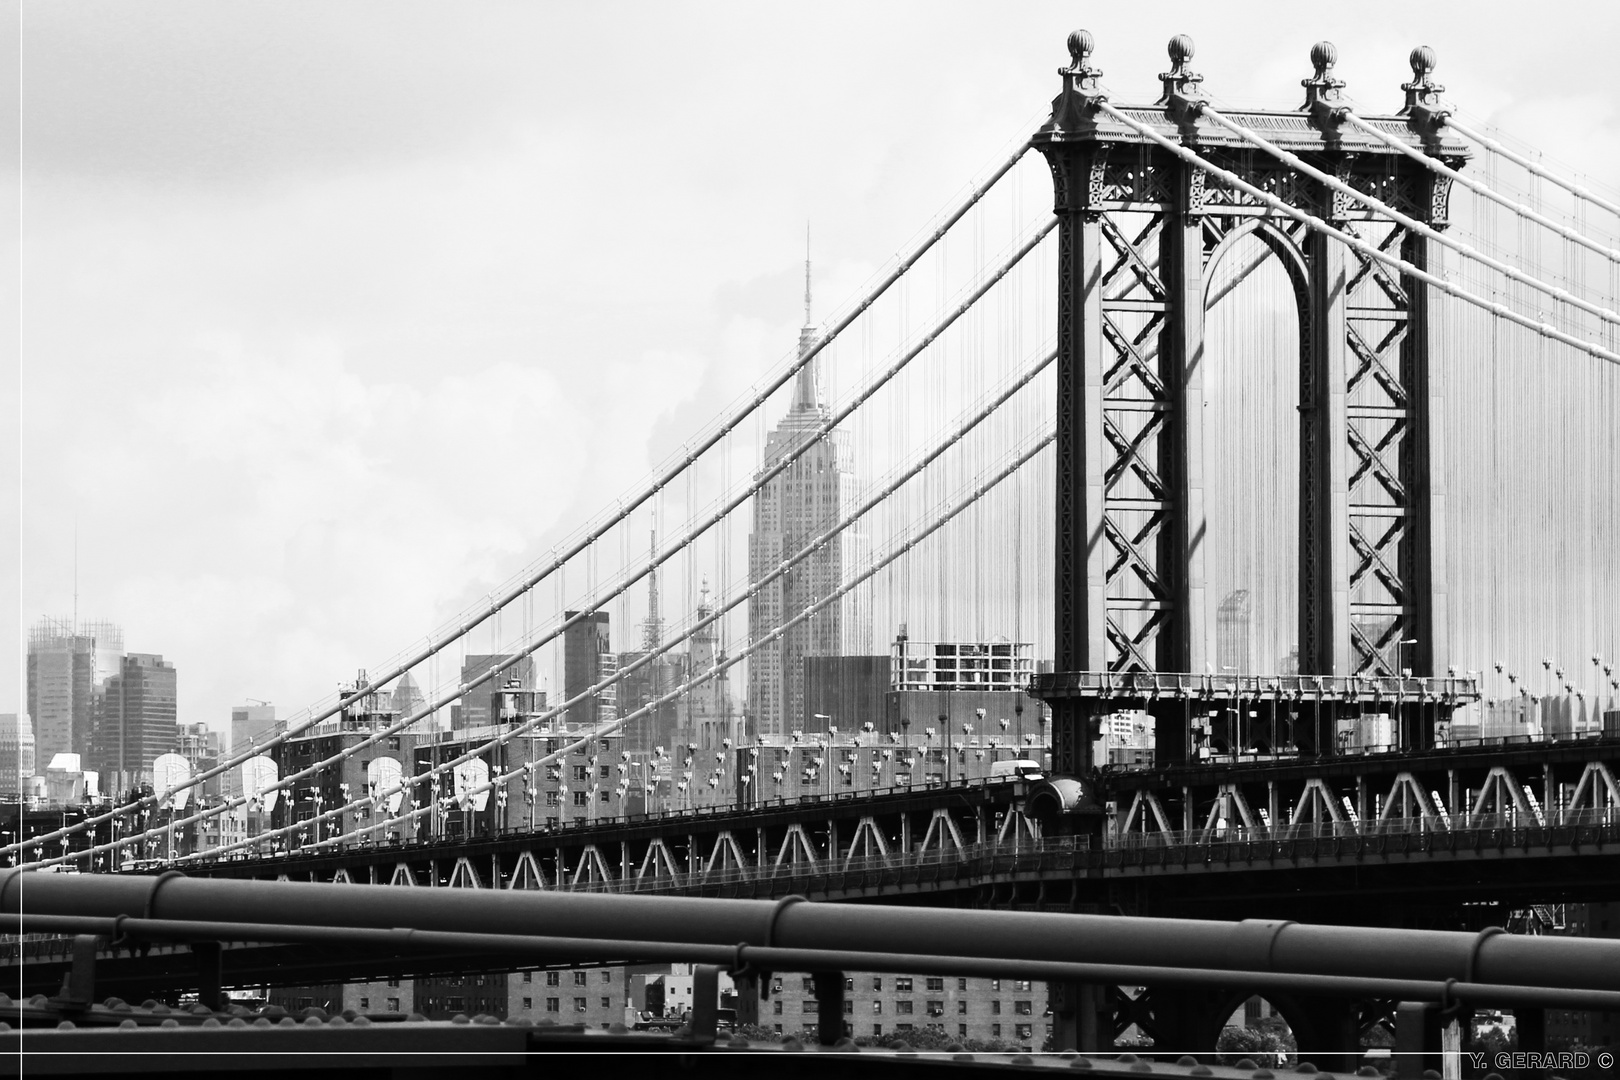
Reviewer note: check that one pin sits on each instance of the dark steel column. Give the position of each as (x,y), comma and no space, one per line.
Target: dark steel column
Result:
(1324,468)
(829,1006)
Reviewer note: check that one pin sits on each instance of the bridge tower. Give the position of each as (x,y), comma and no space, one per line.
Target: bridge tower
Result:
(1141,231)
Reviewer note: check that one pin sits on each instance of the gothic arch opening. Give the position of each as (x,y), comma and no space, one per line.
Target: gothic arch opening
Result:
(1251,426)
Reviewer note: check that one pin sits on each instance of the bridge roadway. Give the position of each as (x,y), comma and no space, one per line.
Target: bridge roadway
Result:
(1280,838)
(1441,839)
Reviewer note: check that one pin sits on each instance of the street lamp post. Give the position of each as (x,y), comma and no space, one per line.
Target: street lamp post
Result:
(1401,674)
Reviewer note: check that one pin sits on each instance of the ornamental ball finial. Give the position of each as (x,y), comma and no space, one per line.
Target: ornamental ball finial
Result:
(1181,49)
(1422,61)
(1081,46)
(1324,54)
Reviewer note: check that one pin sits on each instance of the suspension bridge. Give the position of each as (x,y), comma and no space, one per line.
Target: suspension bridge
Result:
(1286,433)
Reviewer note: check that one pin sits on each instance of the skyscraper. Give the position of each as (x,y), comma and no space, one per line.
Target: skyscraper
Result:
(137,722)
(805,500)
(17,764)
(69,664)
(586,662)
(476,710)
(248,722)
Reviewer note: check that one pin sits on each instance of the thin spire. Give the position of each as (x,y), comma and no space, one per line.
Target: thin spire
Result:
(807,389)
(807,273)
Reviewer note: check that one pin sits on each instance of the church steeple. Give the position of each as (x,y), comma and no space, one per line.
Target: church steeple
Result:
(807,389)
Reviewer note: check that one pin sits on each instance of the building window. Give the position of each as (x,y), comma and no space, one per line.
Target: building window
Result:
(776,985)
(849,1008)
(528,1003)
(877,982)
(607,1003)
(553,978)
(877,1008)
(607,975)
(553,772)
(995,1031)
(961,1030)
(1021,986)
(553,1004)
(582,773)
(936,1008)
(456,1004)
(580,798)
(995,1008)
(393,982)
(393,1004)
(365,1003)
(580,977)
(849,986)
(961,1008)
(902,1007)
(1025,1030)
(877,1029)
(961,984)
(905,1027)
(902,985)
(579,1005)
(810,1006)
(528,976)
(552,799)
(936,984)
(1023,1008)
(809,986)
(995,984)
(778,1028)
(777,1007)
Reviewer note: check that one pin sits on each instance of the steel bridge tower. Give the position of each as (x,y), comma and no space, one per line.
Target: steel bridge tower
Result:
(1140,233)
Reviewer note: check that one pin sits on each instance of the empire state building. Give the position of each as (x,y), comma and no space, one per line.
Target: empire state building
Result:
(801,503)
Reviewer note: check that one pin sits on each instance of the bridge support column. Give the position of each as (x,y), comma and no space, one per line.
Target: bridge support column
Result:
(1417,1039)
(1079,1017)
(1327,1033)
(1531,1025)
(209,972)
(705,1000)
(829,1006)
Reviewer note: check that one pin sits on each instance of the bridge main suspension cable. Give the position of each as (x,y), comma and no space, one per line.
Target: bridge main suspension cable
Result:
(731,661)
(1513,273)
(889,489)
(1355,243)
(1529,166)
(461,690)
(952,439)
(514,593)
(1485,190)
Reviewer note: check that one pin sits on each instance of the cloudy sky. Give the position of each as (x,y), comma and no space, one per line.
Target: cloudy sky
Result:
(334,314)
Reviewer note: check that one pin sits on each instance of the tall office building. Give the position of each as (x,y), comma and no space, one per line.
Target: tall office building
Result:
(476,709)
(793,508)
(586,661)
(17,765)
(136,723)
(250,722)
(69,663)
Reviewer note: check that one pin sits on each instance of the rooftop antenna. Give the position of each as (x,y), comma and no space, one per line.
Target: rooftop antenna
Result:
(75,575)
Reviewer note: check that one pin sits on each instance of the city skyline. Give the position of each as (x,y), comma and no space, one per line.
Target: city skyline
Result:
(265,388)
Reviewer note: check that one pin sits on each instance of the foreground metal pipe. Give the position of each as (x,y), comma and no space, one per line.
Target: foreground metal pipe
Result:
(1249,946)
(555,950)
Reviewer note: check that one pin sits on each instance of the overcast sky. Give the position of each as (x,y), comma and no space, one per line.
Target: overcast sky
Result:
(337,313)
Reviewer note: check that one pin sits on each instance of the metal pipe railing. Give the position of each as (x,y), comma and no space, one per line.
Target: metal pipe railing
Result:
(1248,946)
(560,950)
